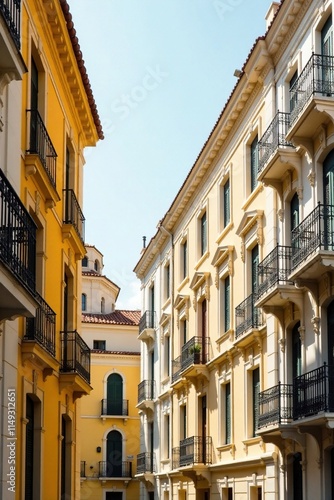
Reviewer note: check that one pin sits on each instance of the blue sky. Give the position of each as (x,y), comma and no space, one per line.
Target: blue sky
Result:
(161,72)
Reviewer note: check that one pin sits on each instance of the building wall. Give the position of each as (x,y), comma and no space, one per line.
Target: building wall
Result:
(251,392)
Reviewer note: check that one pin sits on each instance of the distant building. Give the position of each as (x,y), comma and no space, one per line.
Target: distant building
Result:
(236,388)
(109,418)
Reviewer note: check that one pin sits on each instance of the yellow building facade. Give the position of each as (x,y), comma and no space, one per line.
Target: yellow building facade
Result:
(110,421)
(49,361)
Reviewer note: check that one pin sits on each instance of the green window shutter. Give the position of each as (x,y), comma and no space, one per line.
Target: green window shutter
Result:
(254,163)
(114,394)
(204,234)
(228,413)
(227,209)
(256,392)
(227,304)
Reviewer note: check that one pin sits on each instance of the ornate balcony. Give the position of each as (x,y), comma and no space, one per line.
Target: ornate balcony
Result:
(11,13)
(196,450)
(276,406)
(75,363)
(74,222)
(248,319)
(192,362)
(313,244)
(115,408)
(146,395)
(274,273)
(41,157)
(39,343)
(275,151)
(147,325)
(146,466)
(311,96)
(117,470)
(17,255)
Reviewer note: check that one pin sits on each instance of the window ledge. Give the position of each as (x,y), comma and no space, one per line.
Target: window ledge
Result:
(252,196)
(224,232)
(183,283)
(202,259)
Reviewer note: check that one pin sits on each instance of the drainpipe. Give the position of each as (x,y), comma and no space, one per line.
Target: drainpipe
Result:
(171,344)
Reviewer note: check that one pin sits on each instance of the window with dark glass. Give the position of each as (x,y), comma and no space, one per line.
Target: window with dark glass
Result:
(99,344)
(204,234)
(228,413)
(184,257)
(293,93)
(85,262)
(255,394)
(83,302)
(254,163)
(226,202)
(167,281)
(227,304)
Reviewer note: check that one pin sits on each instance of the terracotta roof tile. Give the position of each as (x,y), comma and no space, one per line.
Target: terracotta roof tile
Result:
(117,317)
(81,65)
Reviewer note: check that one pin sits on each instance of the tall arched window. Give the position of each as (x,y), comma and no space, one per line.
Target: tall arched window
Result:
(115,394)
(114,454)
(83,302)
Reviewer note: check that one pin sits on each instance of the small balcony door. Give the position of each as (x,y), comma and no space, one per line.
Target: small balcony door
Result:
(327,63)
(296,352)
(114,394)
(114,454)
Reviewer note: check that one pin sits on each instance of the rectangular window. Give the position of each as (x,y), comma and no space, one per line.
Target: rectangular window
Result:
(183,331)
(227,304)
(183,422)
(167,356)
(227,203)
(293,93)
(167,435)
(167,281)
(204,234)
(184,257)
(255,395)
(227,494)
(254,163)
(99,344)
(228,413)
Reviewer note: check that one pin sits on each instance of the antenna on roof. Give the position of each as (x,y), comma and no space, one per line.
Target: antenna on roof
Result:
(144,241)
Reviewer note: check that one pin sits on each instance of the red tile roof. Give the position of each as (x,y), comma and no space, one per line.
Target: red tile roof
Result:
(81,65)
(119,317)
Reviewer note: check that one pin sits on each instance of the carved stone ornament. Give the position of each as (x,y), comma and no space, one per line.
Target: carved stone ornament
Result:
(301,331)
(316,324)
(280,214)
(311,178)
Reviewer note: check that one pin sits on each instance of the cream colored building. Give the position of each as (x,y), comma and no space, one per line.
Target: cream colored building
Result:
(109,417)
(238,310)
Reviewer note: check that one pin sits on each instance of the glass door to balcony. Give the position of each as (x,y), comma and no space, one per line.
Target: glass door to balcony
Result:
(114,454)
(296,352)
(327,53)
(328,182)
(114,394)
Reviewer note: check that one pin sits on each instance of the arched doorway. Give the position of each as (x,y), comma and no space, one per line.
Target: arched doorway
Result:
(114,454)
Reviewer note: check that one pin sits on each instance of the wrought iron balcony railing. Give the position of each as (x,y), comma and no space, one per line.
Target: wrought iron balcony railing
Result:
(195,352)
(276,405)
(112,407)
(146,463)
(176,369)
(82,469)
(73,214)
(273,138)
(274,269)
(41,145)
(11,12)
(176,458)
(42,328)
(115,469)
(247,316)
(17,236)
(317,77)
(75,355)
(148,320)
(315,232)
(313,392)
(196,450)
(146,391)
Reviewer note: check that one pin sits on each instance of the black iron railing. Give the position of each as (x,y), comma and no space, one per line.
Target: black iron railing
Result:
(42,328)
(11,12)
(73,214)
(315,232)
(195,352)
(112,407)
(276,405)
(17,236)
(41,145)
(146,463)
(75,355)
(82,469)
(273,138)
(247,316)
(274,269)
(317,77)
(115,469)
(176,369)
(146,391)
(148,320)
(196,450)
(313,392)
(176,458)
